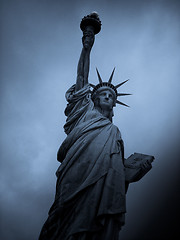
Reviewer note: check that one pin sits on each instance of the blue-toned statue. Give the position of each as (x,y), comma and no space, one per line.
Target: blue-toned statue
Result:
(92,180)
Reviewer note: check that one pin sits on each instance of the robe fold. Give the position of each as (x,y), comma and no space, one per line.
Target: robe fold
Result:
(91,178)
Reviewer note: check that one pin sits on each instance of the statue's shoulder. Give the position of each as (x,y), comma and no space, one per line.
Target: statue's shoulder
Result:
(73,95)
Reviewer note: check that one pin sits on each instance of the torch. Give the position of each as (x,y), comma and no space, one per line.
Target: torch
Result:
(91,20)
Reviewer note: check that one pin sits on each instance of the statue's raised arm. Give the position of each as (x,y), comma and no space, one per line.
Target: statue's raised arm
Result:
(90,25)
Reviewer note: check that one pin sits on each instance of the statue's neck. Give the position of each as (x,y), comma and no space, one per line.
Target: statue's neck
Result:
(105,113)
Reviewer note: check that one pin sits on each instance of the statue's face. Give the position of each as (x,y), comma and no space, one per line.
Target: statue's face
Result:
(106,99)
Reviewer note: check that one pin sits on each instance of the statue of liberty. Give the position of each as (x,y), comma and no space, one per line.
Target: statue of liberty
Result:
(92,180)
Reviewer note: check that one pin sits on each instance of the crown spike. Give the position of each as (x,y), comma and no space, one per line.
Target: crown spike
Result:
(121,103)
(123,94)
(117,86)
(110,79)
(99,77)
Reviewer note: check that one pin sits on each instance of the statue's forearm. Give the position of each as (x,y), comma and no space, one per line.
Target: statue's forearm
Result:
(83,69)
(80,74)
(86,67)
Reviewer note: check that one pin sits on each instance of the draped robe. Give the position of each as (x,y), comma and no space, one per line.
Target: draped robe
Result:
(91,178)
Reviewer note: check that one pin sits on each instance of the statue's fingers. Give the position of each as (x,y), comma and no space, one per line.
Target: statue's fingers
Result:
(149,162)
(146,165)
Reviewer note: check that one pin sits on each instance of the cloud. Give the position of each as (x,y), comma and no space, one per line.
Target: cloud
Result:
(41,45)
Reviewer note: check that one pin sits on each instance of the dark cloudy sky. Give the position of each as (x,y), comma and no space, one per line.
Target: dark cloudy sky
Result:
(40,47)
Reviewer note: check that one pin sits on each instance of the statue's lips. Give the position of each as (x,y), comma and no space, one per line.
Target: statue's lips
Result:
(106,102)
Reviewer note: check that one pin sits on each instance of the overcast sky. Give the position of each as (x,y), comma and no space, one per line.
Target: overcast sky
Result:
(40,48)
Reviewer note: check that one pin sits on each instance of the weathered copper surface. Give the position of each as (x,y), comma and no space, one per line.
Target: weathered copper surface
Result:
(92,180)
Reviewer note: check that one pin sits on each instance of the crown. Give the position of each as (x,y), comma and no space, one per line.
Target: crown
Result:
(110,86)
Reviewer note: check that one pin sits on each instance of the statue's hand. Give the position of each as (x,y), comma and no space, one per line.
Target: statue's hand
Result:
(146,166)
(87,42)
(88,38)
(136,166)
(135,174)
